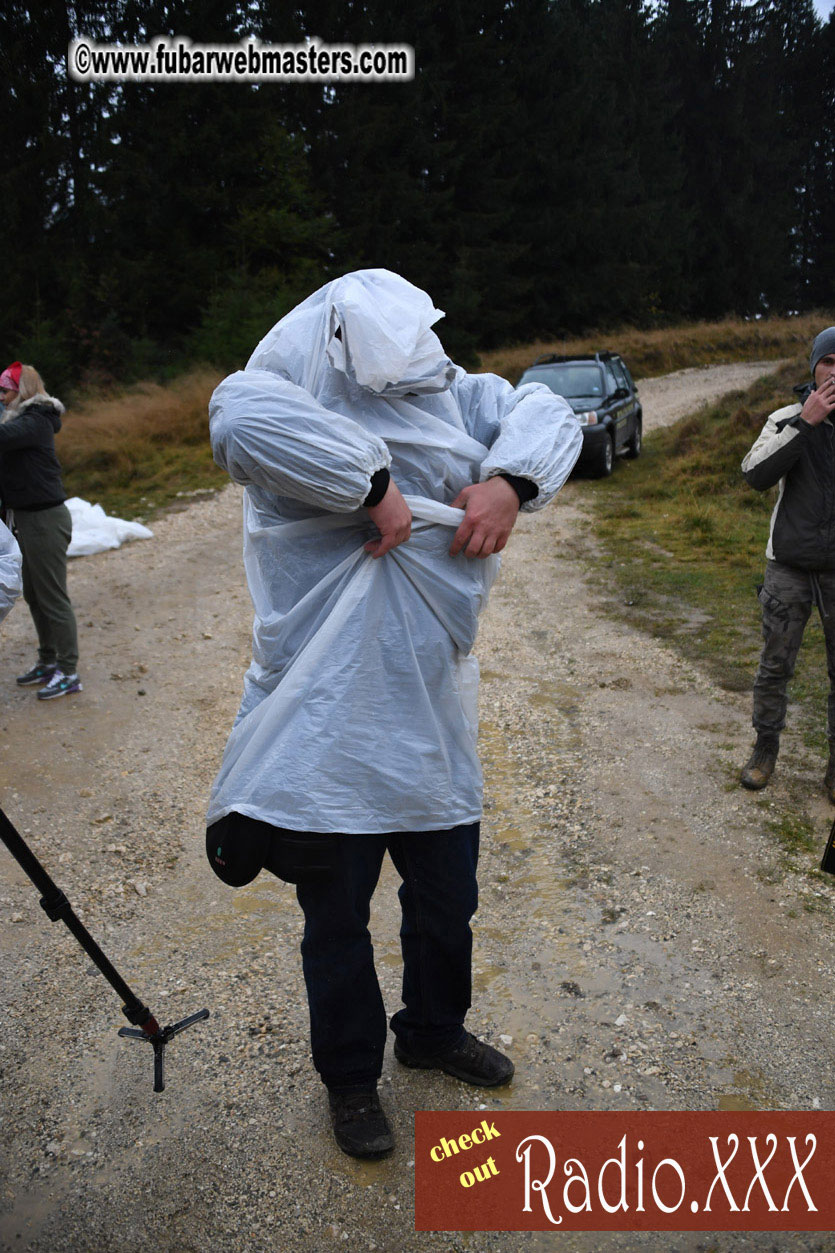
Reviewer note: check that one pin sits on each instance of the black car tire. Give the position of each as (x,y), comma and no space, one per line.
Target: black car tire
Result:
(604,458)
(633,444)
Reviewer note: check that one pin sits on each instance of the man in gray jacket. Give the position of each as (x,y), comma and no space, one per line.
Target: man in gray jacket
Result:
(796,448)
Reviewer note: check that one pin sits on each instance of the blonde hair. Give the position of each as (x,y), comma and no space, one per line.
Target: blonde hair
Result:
(31,384)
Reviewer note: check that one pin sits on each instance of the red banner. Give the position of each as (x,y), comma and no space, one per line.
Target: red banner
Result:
(624,1171)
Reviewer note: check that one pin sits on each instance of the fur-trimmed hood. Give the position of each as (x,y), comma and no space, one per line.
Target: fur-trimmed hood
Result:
(50,404)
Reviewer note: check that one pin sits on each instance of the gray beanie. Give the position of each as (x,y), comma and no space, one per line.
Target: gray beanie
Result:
(824,345)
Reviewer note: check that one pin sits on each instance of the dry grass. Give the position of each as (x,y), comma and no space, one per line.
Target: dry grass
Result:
(649,353)
(139,450)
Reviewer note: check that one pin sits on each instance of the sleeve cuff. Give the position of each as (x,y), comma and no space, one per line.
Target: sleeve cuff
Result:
(524,488)
(380,480)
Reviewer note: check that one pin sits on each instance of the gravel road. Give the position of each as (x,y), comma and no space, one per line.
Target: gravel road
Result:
(639,939)
(672,396)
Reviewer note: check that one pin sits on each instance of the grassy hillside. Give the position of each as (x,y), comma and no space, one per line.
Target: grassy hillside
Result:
(140,450)
(650,353)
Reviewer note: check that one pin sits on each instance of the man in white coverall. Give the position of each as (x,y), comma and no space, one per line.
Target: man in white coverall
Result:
(381,481)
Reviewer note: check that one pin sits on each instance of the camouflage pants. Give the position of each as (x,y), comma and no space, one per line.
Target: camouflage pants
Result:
(787,596)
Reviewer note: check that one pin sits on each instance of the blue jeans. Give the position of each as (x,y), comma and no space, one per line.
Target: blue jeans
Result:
(438,897)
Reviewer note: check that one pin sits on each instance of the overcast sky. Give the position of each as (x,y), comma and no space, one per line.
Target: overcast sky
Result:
(824,7)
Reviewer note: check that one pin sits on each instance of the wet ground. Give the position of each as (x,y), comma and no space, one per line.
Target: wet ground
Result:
(639,943)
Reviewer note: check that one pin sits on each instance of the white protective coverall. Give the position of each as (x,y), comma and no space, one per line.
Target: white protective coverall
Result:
(359,707)
(10,565)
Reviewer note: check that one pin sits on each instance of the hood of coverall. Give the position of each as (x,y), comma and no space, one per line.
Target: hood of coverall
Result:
(371,327)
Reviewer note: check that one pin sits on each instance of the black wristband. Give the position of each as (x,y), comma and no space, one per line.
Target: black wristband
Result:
(379,486)
(525,489)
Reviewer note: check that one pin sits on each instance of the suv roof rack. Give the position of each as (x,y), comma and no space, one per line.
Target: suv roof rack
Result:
(550,358)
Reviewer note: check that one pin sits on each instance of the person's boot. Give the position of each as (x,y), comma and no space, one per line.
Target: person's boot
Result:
(360,1126)
(829,777)
(470,1060)
(760,766)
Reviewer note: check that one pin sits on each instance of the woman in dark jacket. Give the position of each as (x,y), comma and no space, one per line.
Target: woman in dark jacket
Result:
(32,491)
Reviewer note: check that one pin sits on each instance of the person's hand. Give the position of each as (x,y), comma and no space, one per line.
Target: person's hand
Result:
(393,519)
(820,404)
(491,509)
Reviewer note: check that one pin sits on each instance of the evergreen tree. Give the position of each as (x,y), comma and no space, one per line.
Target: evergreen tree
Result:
(817,263)
(555,164)
(53,134)
(206,203)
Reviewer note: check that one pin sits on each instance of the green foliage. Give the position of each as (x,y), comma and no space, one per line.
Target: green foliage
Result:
(45,343)
(796,834)
(237,317)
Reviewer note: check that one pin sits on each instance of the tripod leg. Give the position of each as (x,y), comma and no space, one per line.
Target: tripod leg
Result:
(57,908)
(159,1064)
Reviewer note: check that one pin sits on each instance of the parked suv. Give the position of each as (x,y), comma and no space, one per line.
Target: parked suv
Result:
(601,392)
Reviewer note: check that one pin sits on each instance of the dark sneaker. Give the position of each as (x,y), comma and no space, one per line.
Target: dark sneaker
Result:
(60,685)
(37,676)
(471,1060)
(359,1124)
(760,766)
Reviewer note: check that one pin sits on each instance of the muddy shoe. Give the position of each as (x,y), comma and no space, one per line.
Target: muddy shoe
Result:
(360,1127)
(829,777)
(470,1060)
(758,770)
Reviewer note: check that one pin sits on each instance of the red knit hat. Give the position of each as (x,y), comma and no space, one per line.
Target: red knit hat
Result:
(10,378)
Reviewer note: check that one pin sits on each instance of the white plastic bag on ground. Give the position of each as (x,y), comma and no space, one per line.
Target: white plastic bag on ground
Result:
(94,532)
(359,708)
